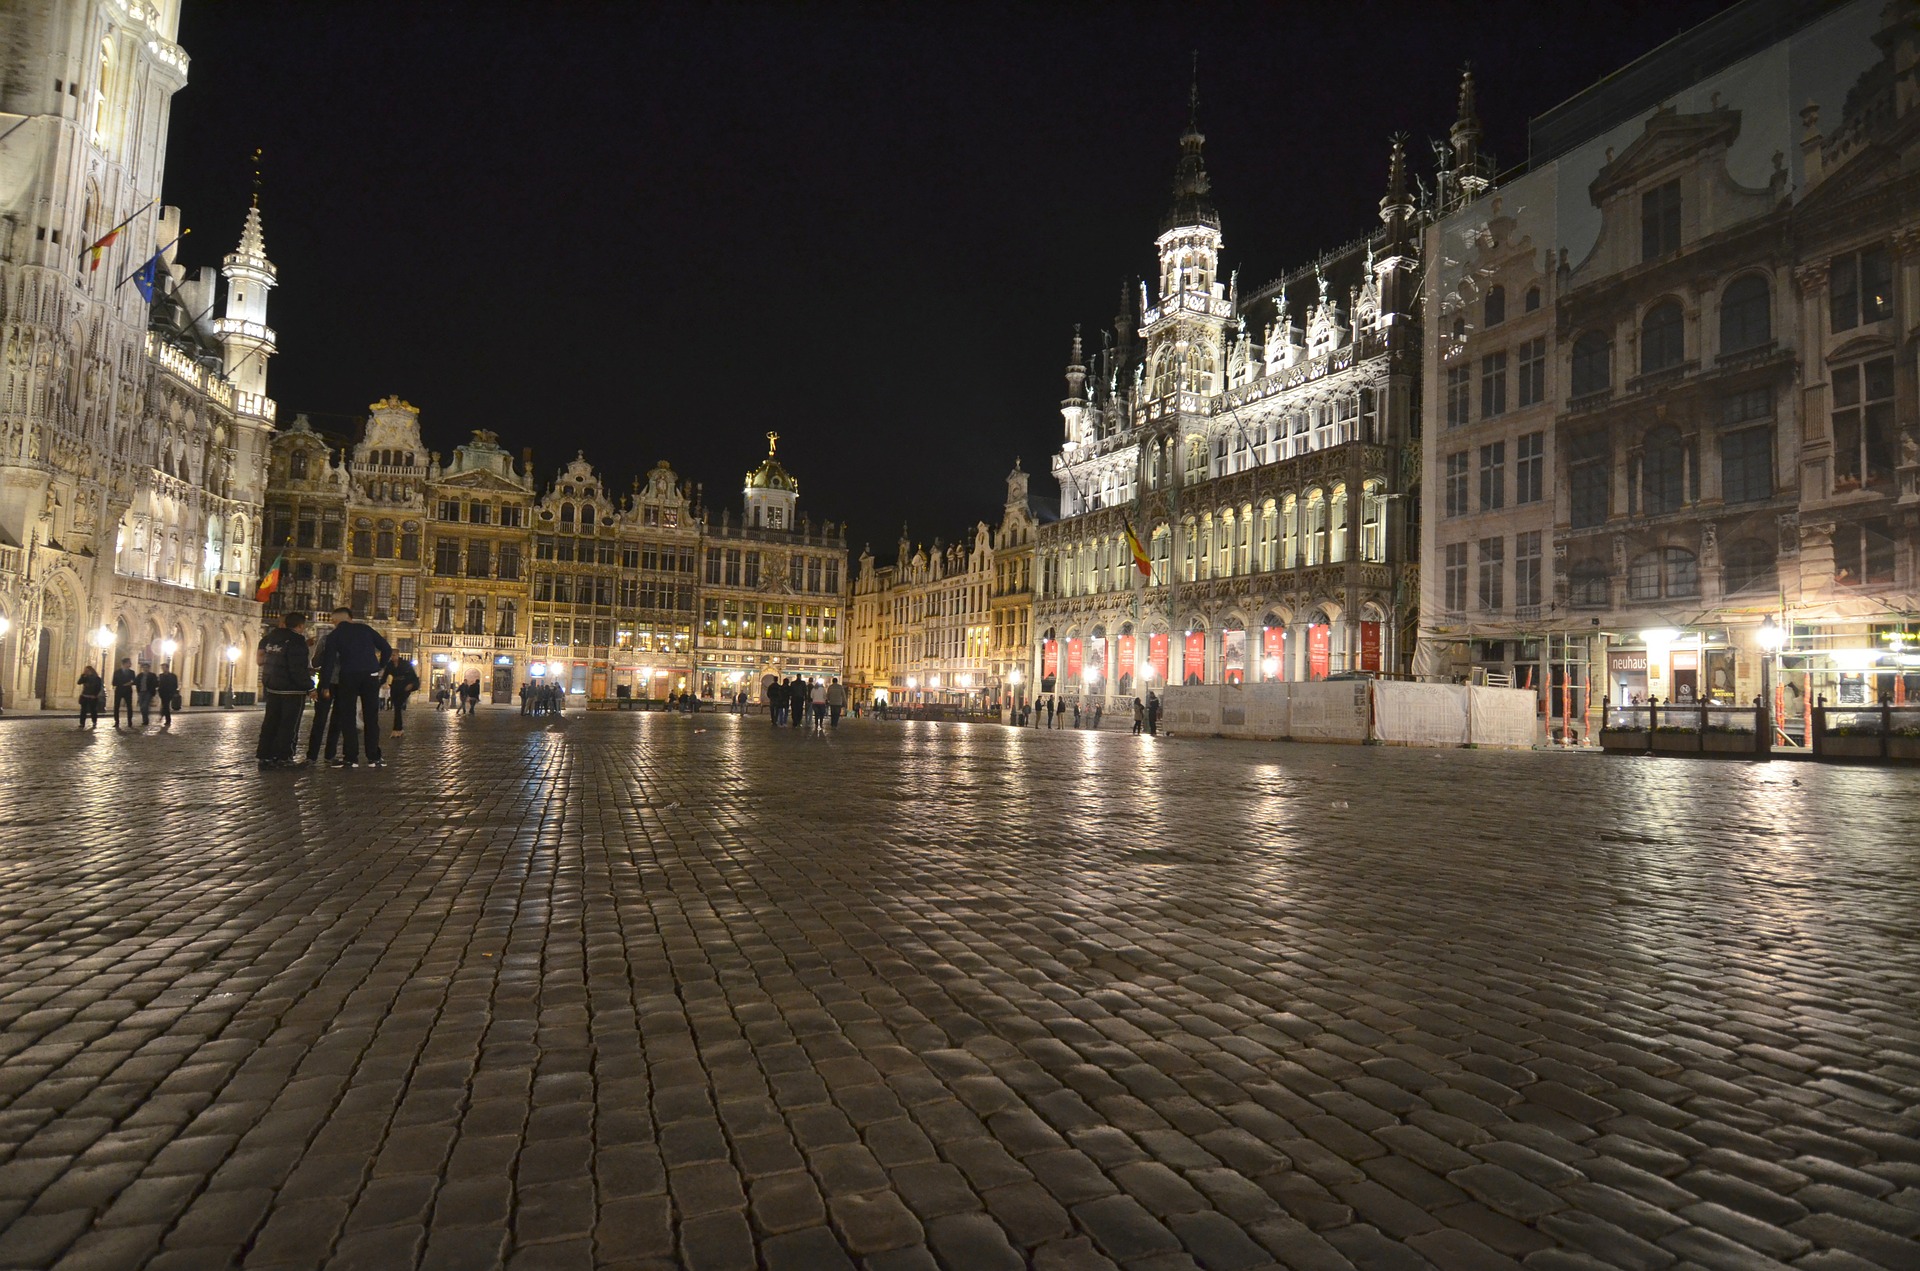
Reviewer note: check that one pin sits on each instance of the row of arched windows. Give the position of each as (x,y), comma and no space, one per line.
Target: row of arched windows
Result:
(1290,532)
(1746,323)
(1673,573)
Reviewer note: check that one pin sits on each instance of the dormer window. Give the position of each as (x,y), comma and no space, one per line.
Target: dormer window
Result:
(1860,288)
(1533,299)
(1496,306)
(297,465)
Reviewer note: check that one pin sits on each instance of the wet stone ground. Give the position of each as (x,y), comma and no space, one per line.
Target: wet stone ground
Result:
(647,991)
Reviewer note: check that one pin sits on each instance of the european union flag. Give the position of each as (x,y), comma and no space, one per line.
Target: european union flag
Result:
(147,276)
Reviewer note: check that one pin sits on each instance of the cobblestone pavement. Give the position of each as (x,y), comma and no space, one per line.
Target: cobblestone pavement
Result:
(648,991)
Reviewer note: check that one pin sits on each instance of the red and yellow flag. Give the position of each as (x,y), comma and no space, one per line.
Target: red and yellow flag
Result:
(99,249)
(269,581)
(1140,561)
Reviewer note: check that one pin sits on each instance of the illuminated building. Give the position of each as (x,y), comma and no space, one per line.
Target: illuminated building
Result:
(948,624)
(133,434)
(772,590)
(1258,445)
(613,585)
(474,603)
(1670,381)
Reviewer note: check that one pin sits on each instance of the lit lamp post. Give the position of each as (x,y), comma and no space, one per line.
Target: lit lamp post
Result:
(1270,668)
(103,640)
(913,682)
(1013,697)
(233,660)
(1771,636)
(168,647)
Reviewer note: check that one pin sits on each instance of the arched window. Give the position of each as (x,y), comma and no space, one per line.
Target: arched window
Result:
(1748,566)
(1643,577)
(476,616)
(1589,585)
(586,516)
(566,514)
(1663,337)
(1290,530)
(1373,518)
(443,616)
(1673,572)
(1496,306)
(1592,364)
(1665,468)
(1745,314)
(505,625)
(1316,528)
(1533,299)
(1682,572)
(1338,548)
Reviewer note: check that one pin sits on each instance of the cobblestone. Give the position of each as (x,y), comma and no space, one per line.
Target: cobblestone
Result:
(635,990)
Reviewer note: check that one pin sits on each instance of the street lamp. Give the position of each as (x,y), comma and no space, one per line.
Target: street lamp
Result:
(1270,668)
(168,647)
(103,639)
(1770,636)
(233,658)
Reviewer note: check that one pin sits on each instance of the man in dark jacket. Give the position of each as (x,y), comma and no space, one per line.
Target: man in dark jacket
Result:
(285,681)
(145,684)
(357,657)
(123,679)
(168,685)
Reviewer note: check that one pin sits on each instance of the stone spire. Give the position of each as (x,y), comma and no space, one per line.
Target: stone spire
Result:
(1076,369)
(1469,166)
(1191,206)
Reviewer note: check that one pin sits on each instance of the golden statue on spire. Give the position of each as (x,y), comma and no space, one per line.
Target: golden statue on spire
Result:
(773,441)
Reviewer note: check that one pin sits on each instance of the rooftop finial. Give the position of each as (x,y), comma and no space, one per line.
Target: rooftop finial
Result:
(1193,96)
(256,176)
(773,441)
(1190,185)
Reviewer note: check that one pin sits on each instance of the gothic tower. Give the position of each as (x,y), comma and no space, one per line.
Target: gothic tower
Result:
(244,334)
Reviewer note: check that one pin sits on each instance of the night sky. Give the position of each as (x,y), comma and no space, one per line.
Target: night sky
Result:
(658,232)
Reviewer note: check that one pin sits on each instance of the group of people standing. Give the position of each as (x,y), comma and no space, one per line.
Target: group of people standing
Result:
(537,697)
(145,684)
(354,661)
(791,701)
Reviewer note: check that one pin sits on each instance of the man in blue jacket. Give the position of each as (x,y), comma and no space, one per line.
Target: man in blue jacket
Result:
(357,657)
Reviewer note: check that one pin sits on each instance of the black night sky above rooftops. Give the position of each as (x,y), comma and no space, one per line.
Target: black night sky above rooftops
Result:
(654,231)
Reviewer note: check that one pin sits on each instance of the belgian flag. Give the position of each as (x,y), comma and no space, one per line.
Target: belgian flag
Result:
(1140,561)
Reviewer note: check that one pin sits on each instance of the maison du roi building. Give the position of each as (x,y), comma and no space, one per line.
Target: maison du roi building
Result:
(1671,380)
(134,420)
(476,572)
(1260,446)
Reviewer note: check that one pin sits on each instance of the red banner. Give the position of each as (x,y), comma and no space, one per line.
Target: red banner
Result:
(1157,655)
(1233,656)
(1193,659)
(1369,646)
(1073,662)
(1049,658)
(1319,650)
(1126,656)
(1273,644)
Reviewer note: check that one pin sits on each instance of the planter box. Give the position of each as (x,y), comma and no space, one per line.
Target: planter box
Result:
(1677,743)
(1850,747)
(1622,739)
(1903,747)
(1727,743)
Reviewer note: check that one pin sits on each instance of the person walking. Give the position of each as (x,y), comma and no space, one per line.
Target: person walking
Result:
(1076,714)
(93,690)
(836,702)
(146,684)
(1153,714)
(797,699)
(168,685)
(1139,716)
(357,656)
(285,681)
(775,693)
(123,681)
(402,683)
(818,699)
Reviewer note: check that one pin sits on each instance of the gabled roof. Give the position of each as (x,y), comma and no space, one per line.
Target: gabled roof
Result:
(1669,135)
